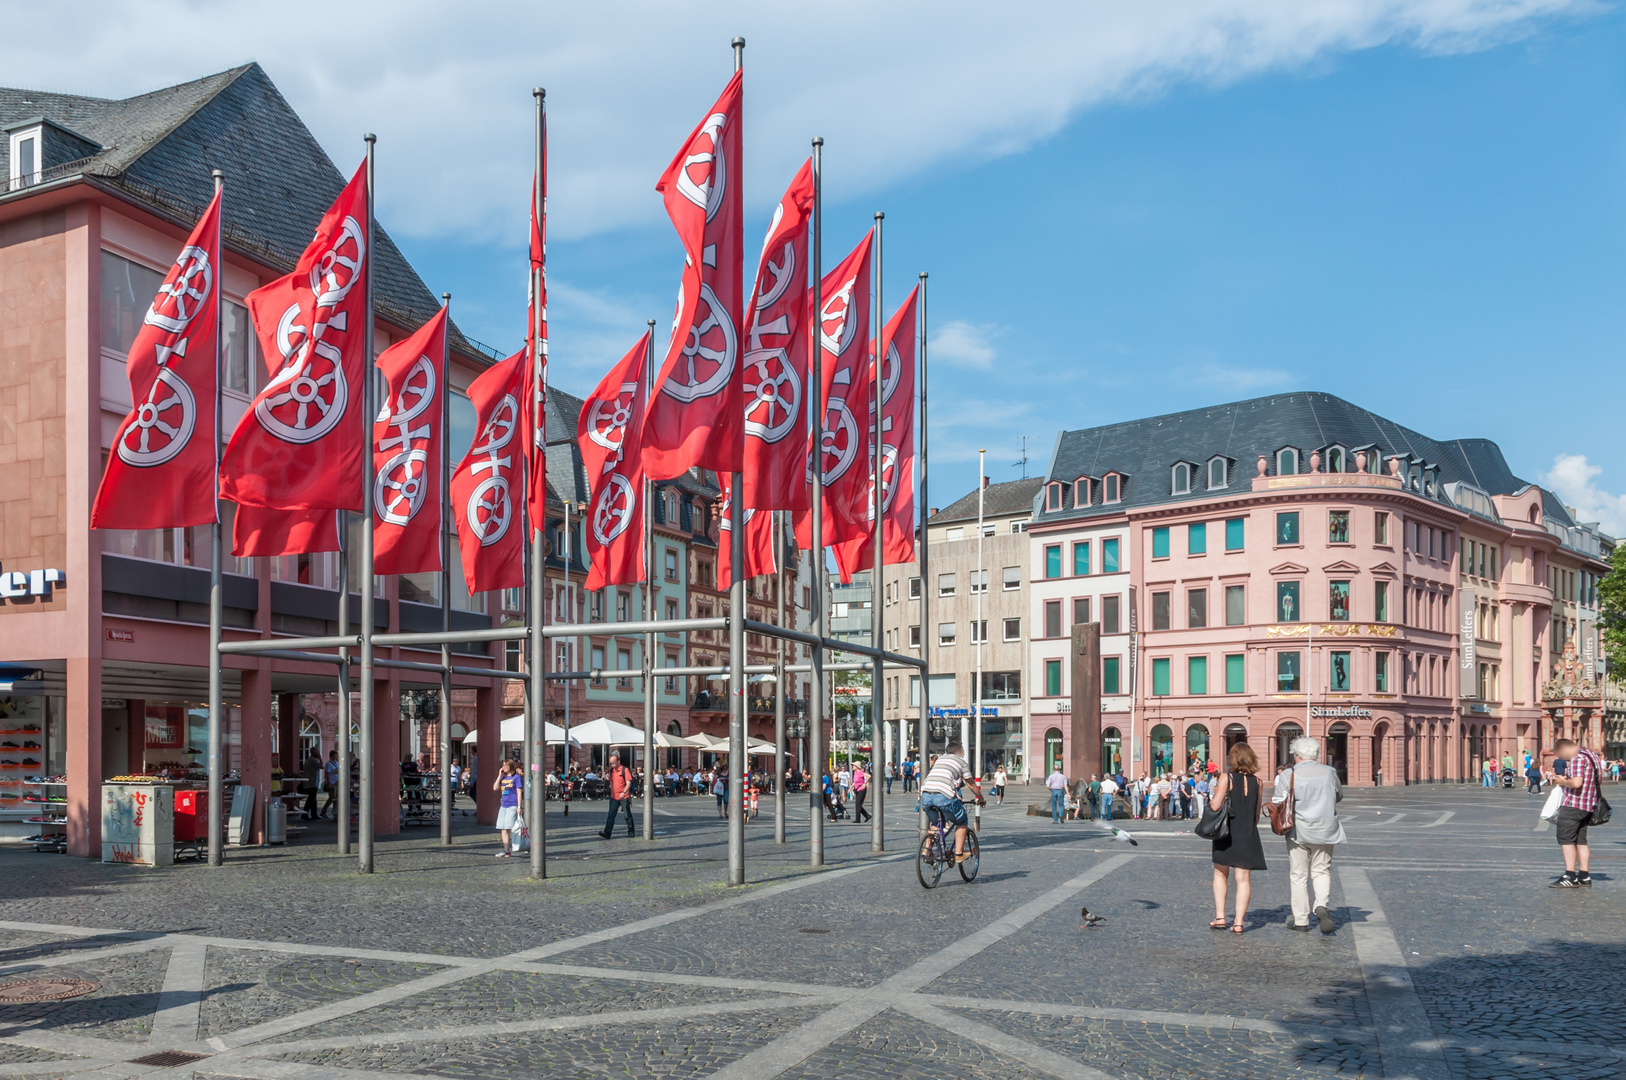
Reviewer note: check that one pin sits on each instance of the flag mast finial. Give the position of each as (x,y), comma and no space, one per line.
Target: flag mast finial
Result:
(739,52)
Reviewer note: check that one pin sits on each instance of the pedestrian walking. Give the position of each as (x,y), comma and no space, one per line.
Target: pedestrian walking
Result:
(1093,794)
(510,786)
(620,784)
(1311,791)
(1057,783)
(860,782)
(330,784)
(890,770)
(1001,778)
(1580,808)
(829,797)
(310,784)
(1532,777)
(1240,850)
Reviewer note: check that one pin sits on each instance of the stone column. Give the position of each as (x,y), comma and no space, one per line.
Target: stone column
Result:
(387,754)
(84,726)
(488,748)
(255,755)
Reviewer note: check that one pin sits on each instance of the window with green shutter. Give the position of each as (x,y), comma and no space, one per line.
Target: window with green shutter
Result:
(1052,561)
(1160,543)
(1109,556)
(1233,534)
(1081,558)
(1052,678)
(1197,539)
(1160,678)
(1234,674)
(1197,675)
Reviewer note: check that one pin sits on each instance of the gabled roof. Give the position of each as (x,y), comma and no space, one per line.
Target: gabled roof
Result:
(999,500)
(157,150)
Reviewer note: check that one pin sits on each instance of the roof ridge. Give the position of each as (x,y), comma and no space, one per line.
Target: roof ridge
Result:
(158,135)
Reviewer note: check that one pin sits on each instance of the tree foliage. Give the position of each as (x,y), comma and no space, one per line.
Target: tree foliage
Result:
(1612,613)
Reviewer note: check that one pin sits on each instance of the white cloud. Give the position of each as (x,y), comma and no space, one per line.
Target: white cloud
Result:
(1571,477)
(893,88)
(962,344)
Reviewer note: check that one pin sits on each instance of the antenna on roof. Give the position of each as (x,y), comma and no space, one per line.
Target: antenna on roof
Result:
(1023,464)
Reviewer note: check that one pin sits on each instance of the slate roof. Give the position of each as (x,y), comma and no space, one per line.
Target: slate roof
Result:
(1146,450)
(157,150)
(999,500)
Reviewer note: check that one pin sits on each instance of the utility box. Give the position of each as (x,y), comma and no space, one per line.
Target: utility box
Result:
(138,824)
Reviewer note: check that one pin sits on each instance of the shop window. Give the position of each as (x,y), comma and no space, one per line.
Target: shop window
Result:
(1287,672)
(1002,686)
(1338,601)
(1338,526)
(1287,528)
(1338,672)
(1287,601)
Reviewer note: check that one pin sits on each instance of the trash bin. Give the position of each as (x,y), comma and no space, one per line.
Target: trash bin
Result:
(276,821)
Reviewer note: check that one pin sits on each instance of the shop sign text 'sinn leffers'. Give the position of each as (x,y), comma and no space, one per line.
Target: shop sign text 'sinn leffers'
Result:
(23,585)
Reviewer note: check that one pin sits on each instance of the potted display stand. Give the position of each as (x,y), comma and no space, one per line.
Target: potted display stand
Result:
(138,824)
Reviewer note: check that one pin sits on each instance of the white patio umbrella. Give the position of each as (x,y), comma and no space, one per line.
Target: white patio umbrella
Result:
(513,730)
(709,743)
(606,732)
(669,741)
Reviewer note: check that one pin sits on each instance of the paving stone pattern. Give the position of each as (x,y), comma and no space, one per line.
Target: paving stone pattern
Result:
(672,1050)
(897,1046)
(121,1010)
(244,987)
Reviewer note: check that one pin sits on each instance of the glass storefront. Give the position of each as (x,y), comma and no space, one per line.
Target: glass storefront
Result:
(1162,750)
(1112,760)
(1196,747)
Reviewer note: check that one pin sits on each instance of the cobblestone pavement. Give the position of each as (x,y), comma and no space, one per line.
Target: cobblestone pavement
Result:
(1451,960)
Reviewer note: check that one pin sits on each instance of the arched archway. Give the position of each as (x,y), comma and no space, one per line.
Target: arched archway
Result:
(1286,732)
(1112,745)
(1052,750)
(1380,742)
(1197,747)
(1336,751)
(1234,733)
(1162,750)
(674,755)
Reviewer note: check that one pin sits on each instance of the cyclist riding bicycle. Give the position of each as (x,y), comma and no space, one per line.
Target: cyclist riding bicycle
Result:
(941,789)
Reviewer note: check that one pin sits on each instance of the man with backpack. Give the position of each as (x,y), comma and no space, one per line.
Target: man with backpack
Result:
(1581,806)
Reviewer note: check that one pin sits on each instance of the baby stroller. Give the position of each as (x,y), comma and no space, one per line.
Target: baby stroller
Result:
(1507,779)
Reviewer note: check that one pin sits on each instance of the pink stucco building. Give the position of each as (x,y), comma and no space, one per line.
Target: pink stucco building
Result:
(1297,564)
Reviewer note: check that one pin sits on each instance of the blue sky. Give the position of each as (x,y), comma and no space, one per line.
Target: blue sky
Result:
(1439,238)
(1126,209)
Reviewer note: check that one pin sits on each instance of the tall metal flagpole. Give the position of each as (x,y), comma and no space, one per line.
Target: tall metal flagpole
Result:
(535,732)
(217,609)
(346,751)
(736,639)
(779,684)
(925,580)
(445,749)
(877,821)
(369,409)
(649,613)
(982,631)
(815,403)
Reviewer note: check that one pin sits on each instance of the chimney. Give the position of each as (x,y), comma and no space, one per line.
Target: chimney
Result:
(985,482)
(932,512)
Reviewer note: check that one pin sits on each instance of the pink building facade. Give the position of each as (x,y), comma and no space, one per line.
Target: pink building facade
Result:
(1301,566)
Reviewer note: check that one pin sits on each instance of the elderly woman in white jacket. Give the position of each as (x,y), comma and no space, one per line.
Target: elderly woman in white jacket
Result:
(1315,792)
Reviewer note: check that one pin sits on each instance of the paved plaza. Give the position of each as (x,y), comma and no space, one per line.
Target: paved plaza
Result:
(1451,959)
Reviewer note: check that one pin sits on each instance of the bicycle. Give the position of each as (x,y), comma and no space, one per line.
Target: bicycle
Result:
(936,852)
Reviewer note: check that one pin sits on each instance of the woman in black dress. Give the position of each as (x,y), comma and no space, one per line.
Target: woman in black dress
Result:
(1240,851)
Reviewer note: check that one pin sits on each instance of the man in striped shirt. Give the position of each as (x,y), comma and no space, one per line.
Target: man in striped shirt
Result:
(1580,781)
(941,789)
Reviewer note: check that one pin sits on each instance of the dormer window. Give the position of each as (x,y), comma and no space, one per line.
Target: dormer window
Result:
(1111,488)
(1081,491)
(1052,495)
(1180,479)
(1287,461)
(1374,461)
(1337,460)
(1218,473)
(26,155)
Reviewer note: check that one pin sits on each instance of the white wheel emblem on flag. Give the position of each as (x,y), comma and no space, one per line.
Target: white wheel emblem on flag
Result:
(703,180)
(400,487)
(169,410)
(889,476)
(890,373)
(835,310)
(607,424)
(773,402)
(612,509)
(183,298)
(840,440)
(417,391)
(708,354)
(490,509)
(306,398)
(339,268)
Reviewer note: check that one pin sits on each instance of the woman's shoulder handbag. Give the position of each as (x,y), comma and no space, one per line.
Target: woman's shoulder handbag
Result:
(1281,813)
(1215,824)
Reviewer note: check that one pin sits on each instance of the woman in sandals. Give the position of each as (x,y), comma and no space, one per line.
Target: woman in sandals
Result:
(1240,850)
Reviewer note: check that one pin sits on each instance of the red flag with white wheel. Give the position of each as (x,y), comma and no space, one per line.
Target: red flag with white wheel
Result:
(773,372)
(487,486)
(536,371)
(897,446)
(759,553)
(609,433)
(694,416)
(160,473)
(407,452)
(842,327)
(259,530)
(300,445)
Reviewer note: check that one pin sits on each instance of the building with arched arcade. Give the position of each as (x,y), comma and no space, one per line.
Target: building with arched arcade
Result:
(1296,565)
